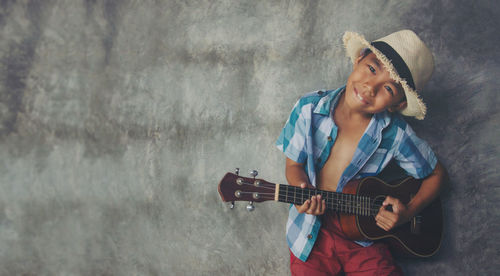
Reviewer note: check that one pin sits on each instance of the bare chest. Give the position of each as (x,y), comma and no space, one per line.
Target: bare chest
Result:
(340,157)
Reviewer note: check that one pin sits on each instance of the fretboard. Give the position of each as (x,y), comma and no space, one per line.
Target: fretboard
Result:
(345,203)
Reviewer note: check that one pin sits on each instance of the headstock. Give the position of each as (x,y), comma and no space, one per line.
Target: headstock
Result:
(233,187)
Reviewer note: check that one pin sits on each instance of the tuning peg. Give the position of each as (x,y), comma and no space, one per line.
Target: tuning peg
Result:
(250,206)
(232,205)
(237,171)
(254,173)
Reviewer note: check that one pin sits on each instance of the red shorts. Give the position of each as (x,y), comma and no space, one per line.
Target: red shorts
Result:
(333,254)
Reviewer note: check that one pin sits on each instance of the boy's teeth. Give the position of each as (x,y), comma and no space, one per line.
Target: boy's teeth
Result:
(359,97)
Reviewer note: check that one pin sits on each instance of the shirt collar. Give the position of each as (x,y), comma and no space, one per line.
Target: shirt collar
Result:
(328,101)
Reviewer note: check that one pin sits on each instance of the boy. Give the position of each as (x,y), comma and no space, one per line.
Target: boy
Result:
(355,131)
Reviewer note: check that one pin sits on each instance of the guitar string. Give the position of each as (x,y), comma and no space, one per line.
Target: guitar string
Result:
(343,205)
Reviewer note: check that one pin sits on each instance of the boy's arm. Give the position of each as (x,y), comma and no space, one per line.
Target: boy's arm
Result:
(402,213)
(296,176)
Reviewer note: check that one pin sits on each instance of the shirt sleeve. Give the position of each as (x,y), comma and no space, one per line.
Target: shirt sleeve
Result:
(414,155)
(292,139)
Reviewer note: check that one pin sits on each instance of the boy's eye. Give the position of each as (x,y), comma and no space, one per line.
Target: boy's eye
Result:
(389,89)
(371,68)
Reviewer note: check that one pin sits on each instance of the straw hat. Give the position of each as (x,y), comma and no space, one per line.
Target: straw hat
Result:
(405,56)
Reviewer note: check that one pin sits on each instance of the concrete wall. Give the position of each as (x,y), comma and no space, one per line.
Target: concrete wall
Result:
(118,118)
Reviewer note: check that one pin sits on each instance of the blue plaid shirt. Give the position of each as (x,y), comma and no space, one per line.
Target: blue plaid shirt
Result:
(305,139)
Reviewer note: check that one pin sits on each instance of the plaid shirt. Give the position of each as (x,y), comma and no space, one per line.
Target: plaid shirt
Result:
(308,137)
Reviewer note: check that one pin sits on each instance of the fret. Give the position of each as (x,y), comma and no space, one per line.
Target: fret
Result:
(325,197)
(356,200)
(348,209)
(281,190)
(279,195)
(286,194)
(364,206)
(330,200)
(348,203)
(343,204)
(367,206)
(358,204)
(361,202)
(356,207)
(290,189)
(351,205)
(339,200)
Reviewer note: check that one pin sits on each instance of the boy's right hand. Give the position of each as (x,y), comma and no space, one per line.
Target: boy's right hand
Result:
(313,206)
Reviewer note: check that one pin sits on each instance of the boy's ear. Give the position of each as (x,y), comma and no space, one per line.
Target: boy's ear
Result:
(398,106)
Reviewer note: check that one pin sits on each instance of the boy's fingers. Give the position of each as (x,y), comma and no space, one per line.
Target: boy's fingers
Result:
(304,207)
(319,206)
(383,226)
(385,215)
(387,222)
(312,208)
(389,200)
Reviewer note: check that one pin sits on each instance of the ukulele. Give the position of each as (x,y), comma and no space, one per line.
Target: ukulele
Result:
(357,205)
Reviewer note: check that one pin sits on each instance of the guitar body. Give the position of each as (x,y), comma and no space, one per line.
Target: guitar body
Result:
(421,236)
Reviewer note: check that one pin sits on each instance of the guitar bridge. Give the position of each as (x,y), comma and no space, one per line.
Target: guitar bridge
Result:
(416,224)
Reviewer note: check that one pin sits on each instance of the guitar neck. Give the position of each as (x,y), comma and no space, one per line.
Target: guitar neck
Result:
(339,202)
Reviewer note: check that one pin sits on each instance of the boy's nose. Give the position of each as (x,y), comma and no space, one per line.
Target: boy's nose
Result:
(369,90)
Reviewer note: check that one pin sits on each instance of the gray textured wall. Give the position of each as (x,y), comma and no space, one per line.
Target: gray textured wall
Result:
(118,118)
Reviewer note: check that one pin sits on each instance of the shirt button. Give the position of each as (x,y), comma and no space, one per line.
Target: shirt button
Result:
(329,138)
(309,236)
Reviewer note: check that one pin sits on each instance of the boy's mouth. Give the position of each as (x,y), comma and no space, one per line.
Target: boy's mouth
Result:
(360,98)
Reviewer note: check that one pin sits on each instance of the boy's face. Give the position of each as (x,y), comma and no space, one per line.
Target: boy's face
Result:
(370,89)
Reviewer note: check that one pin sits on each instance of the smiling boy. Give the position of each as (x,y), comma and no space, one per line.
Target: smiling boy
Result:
(352,132)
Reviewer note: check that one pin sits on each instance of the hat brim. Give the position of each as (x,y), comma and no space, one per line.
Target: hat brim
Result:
(354,43)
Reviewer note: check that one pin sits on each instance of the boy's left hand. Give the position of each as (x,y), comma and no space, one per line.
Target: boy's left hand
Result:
(386,219)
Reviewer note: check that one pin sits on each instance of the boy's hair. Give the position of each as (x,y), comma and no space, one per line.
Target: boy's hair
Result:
(364,52)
